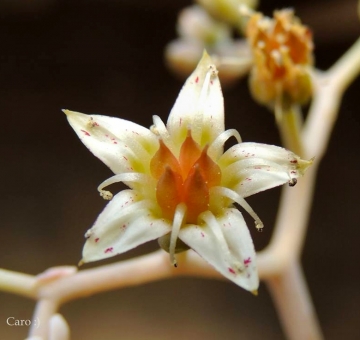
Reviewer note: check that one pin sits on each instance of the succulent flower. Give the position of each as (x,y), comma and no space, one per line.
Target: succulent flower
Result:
(182,185)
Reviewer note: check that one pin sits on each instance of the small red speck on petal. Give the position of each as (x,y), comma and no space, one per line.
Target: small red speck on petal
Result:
(125,158)
(97,240)
(247,261)
(197,80)
(293,161)
(202,234)
(108,250)
(85,132)
(232,271)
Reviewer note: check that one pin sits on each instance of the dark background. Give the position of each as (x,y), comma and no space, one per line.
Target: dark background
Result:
(107,57)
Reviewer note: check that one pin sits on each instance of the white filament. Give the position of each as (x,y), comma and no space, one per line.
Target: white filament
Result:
(216,146)
(177,223)
(239,200)
(125,177)
(196,128)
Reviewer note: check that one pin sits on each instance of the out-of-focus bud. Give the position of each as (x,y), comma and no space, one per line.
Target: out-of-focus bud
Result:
(198,31)
(227,10)
(195,24)
(282,52)
(181,55)
(232,59)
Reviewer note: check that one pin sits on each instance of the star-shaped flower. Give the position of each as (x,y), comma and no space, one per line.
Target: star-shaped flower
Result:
(181,183)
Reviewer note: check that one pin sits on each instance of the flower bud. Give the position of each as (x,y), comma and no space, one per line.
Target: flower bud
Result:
(282,52)
(195,24)
(227,10)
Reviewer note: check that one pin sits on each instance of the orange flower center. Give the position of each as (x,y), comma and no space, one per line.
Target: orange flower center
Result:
(187,179)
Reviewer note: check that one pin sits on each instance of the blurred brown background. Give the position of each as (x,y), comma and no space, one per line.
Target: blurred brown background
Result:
(107,57)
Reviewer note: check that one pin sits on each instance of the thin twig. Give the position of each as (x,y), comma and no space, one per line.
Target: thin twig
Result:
(18,283)
(143,269)
(329,87)
(293,304)
(45,309)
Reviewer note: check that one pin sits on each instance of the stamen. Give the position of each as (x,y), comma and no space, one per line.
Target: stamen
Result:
(198,118)
(106,195)
(239,200)
(205,88)
(160,130)
(216,146)
(125,177)
(292,182)
(179,217)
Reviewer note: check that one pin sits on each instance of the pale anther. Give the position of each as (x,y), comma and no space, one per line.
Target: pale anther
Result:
(292,182)
(106,195)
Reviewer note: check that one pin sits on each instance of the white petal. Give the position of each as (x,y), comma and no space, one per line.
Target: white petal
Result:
(249,168)
(122,145)
(199,106)
(225,243)
(125,223)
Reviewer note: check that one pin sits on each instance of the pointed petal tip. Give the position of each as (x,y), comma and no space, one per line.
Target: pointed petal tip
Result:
(81,262)
(206,61)
(254,292)
(66,111)
(205,54)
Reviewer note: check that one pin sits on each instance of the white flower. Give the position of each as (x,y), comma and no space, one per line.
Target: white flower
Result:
(181,182)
